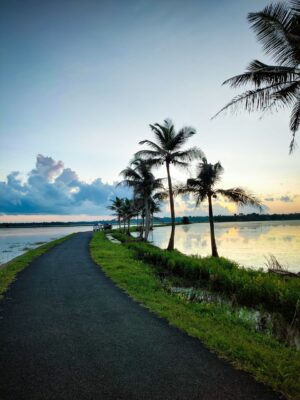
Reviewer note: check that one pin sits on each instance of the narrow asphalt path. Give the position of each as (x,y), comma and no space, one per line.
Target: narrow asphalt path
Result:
(67,332)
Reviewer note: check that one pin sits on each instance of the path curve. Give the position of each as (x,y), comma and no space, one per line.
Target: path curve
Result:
(67,332)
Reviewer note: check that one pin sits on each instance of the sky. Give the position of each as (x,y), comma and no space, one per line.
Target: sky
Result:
(82,80)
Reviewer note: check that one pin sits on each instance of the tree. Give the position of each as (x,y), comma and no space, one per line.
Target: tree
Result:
(116,206)
(139,177)
(128,211)
(166,150)
(277,27)
(154,207)
(185,220)
(203,187)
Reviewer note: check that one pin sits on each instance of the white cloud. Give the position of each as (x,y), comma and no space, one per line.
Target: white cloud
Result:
(52,189)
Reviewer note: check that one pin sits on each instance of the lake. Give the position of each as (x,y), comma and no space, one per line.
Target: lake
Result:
(244,242)
(16,241)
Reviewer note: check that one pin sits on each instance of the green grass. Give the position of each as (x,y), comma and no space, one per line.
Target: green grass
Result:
(249,287)
(9,271)
(267,359)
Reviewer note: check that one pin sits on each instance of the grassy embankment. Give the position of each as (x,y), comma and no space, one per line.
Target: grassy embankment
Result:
(267,359)
(249,287)
(9,270)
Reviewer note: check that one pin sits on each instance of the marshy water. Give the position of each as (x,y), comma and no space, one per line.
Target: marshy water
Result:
(244,242)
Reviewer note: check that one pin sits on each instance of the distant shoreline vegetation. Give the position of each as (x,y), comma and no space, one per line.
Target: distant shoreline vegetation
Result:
(164,220)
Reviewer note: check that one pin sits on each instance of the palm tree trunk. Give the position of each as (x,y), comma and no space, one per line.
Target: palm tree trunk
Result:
(119,220)
(147,217)
(142,226)
(128,230)
(214,251)
(172,236)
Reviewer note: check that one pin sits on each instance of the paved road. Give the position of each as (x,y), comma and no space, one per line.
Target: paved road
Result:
(68,333)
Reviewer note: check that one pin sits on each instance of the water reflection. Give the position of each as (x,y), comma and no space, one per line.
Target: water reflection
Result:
(15,241)
(245,242)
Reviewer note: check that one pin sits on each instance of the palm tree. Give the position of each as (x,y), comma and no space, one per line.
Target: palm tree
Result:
(128,211)
(203,187)
(167,150)
(154,207)
(144,184)
(116,206)
(277,27)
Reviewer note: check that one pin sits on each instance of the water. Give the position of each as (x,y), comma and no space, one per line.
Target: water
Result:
(244,242)
(16,241)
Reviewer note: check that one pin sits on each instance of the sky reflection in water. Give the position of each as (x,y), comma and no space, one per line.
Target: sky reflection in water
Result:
(245,242)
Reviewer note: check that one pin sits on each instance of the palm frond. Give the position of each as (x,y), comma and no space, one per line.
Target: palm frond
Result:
(129,173)
(147,154)
(187,155)
(182,137)
(294,124)
(162,195)
(253,100)
(240,196)
(272,26)
(183,189)
(181,164)
(288,94)
(164,133)
(209,174)
(152,145)
(259,73)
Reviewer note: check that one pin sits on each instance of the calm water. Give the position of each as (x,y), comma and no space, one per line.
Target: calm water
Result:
(16,241)
(245,242)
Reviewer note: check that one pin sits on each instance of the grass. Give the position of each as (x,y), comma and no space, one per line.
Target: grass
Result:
(267,359)
(249,287)
(9,270)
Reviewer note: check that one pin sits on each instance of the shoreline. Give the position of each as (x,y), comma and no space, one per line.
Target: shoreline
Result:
(163,221)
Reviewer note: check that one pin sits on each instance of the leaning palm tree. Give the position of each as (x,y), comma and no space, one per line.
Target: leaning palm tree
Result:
(167,149)
(277,27)
(203,187)
(116,207)
(139,177)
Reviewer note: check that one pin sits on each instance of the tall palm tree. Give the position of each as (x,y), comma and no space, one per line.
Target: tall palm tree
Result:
(167,150)
(116,206)
(139,176)
(203,187)
(277,27)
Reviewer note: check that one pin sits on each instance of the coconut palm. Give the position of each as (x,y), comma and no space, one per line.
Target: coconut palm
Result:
(277,27)
(116,206)
(128,211)
(154,208)
(203,187)
(167,149)
(139,177)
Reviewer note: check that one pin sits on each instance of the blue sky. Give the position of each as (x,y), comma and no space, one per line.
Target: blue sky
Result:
(82,80)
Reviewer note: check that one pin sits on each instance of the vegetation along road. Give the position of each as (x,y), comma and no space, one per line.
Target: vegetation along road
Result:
(67,332)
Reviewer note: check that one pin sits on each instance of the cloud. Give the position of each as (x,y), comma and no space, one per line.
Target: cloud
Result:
(286,199)
(52,189)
